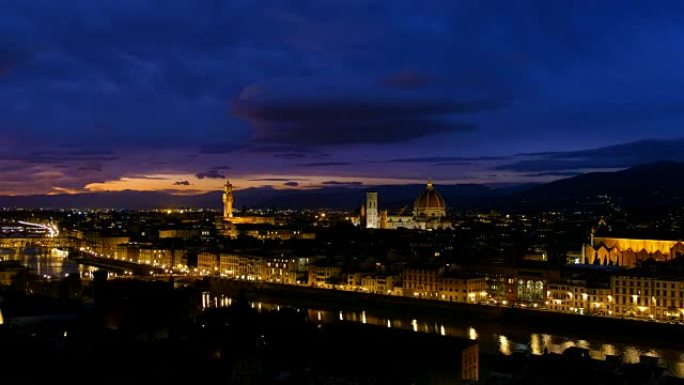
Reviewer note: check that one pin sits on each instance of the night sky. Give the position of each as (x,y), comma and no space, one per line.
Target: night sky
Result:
(177,95)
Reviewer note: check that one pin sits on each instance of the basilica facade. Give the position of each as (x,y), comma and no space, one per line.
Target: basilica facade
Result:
(627,252)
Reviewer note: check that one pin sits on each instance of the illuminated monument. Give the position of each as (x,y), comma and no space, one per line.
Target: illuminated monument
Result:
(372,210)
(429,204)
(628,252)
(429,212)
(228,221)
(227,201)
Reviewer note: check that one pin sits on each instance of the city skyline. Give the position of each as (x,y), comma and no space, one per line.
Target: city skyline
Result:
(341,192)
(176,97)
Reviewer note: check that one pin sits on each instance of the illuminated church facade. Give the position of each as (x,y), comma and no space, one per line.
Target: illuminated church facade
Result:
(628,252)
(429,213)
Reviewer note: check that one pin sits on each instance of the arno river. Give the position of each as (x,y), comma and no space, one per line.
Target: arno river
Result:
(493,338)
(52,264)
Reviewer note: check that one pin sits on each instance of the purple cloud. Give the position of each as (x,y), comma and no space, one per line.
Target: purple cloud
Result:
(324,164)
(211,174)
(342,183)
(407,80)
(336,122)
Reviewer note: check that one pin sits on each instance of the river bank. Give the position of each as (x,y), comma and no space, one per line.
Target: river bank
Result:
(664,335)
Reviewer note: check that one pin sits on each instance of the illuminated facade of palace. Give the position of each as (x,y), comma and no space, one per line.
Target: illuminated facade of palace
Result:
(226,225)
(228,216)
(578,297)
(660,298)
(371,283)
(429,212)
(626,252)
(444,285)
(629,295)
(253,268)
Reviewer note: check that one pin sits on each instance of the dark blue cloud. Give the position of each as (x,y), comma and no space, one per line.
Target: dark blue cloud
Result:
(290,155)
(283,79)
(211,174)
(343,122)
(220,148)
(324,164)
(341,183)
(270,180)
(562,174)
(408,80)
(618,156)
(444,159)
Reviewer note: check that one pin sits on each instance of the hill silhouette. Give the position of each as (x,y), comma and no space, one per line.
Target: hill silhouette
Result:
(656,184)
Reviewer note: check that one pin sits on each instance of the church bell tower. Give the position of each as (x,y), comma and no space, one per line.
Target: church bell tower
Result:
(227,201)
(371,210)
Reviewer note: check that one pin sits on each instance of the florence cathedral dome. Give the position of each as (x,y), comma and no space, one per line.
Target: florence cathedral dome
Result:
(429,203)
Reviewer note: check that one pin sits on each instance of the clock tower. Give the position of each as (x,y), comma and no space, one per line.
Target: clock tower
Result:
(227,201)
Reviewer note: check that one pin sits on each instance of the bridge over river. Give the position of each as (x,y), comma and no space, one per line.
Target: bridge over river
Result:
(19,245)
(18,248)
(137,269)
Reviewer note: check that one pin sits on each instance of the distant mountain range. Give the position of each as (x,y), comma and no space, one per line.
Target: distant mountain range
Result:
(653,184)
(339,197)
(650,185)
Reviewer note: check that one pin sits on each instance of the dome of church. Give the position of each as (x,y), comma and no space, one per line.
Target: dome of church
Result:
(429,203)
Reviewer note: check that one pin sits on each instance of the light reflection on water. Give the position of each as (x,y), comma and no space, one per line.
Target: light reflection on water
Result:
(472,333)
(536,345)
(504,345)
(53,263)
(493,339)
